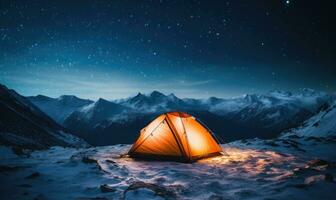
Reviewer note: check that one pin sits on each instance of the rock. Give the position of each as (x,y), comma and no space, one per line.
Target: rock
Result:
(106,188)
(293,144)
(294,136)
(33,175)
(4,168)
(312,138)
(328,177)
(317,162)
(246,193)
(158,190)
(306,170)
(89,160)
(313,179)
(216,197)
(271,143)
(243,141)
(110,161)
(40,197)
(19,151)
(124,156)
(25,185)
(300,186)
(160,180)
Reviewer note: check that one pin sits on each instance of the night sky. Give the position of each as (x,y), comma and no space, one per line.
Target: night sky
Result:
(114,49)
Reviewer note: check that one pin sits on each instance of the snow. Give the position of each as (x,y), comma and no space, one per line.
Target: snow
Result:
(273,115)
(247,171)
(305,99)
(59,108)
(321,125)
(71,139)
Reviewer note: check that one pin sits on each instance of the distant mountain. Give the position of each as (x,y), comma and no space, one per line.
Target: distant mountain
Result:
(23,125)
(100,110)
(276,109)
(250,116)
(154,102)
(322,124)
(59,108)
(105,122)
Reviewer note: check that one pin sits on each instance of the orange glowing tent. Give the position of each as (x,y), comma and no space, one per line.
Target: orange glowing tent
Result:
(175,136)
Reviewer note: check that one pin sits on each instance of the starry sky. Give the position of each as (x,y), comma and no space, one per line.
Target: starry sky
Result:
(114,49)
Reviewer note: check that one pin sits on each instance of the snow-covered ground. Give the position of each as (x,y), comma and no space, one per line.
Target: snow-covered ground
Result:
(293,168)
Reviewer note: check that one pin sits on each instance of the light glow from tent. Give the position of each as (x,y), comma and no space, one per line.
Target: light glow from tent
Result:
(197,143)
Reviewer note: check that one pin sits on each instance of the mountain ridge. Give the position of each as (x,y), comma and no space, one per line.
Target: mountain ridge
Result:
(24,125)
(253,115)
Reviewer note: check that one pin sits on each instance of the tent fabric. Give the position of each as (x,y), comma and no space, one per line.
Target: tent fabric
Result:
(175,136)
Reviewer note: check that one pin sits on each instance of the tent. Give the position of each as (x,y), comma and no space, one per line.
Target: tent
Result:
(175,136)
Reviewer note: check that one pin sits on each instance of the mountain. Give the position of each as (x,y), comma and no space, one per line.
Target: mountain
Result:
(24,125)
(321,125)
(272,113)
(154,102)
(255,115)
(103,122)
(112,122)
(99,111)
(59,108)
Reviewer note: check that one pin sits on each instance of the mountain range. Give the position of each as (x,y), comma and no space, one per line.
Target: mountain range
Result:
(59,108)
(105,122)
(321,125)
(23,125)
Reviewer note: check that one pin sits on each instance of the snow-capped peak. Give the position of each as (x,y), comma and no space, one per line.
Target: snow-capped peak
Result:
(157,94)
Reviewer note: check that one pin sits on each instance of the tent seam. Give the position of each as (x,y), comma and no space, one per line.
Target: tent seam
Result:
(132,150)
(175,136)
(185,133)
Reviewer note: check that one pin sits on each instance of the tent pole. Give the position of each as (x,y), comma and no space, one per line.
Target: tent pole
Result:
(175,136)
(133,149)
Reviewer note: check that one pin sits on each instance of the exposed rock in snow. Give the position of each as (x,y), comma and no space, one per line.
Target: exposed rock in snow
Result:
(156,190)
(33,175)
(106,188)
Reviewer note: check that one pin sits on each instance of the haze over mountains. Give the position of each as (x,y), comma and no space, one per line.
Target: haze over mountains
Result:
(106,122)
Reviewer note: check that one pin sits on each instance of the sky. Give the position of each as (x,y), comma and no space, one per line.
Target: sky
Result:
(115,49)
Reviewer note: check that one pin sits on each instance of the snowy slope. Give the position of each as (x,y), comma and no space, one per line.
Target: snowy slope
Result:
(322,124)
(59,108)
(23,125)
(99,111)
(298,165)
(246,172)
